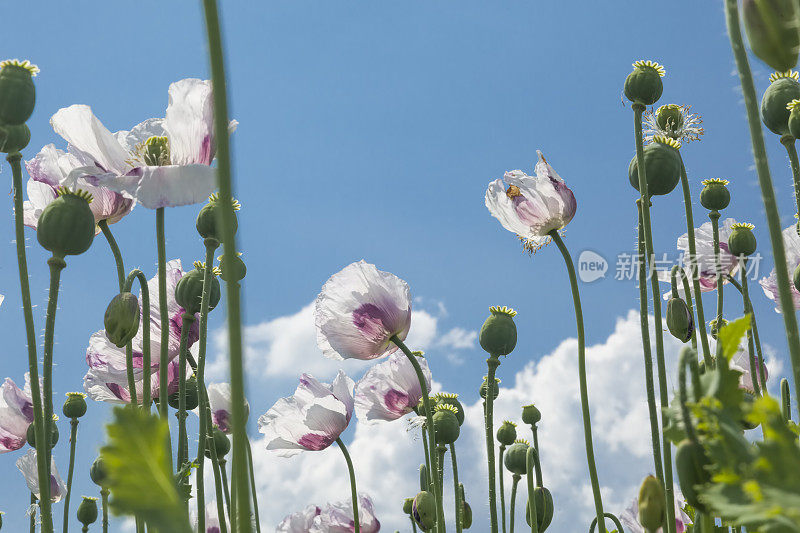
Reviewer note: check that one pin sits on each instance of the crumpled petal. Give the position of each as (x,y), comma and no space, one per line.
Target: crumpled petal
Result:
(219,401)
(769,284)
(338,517)
(89,140)
(16,414)
(390,389)
(27,465)
(299,522)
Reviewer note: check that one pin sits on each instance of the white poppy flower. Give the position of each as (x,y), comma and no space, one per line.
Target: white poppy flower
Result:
(27,465)
(16,414)
(390,389)
(338,517)
(769,284)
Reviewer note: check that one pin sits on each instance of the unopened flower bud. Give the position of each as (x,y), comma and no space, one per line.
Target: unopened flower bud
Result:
(121,319)
(466,516)
(208,219)
(741,240)
(531,415)
(234,272)
(662,166)
(192,396)
(507,433)
(66,226)
(75,406)
(17,91)
(98,472)
(14,138)
(87,511)
(715,195)
(783,89)
(189,290)
(449,398)
(680,321)
(691,462)
(445,424)
(772,31)
(221,443)
(516,457)
(424,510)
(408,505)
(499,332)
(544,508)
(30,435)
(643,85)
(652,506)
(485,386)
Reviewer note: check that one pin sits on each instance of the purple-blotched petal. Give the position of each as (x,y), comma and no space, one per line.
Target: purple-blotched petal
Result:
(390,389)
(338,517)
(16,414)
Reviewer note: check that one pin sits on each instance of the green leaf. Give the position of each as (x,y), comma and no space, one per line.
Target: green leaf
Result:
(731,335)
(139,475)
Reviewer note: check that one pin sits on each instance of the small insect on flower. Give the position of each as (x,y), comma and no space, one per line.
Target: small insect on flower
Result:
(673,121)
(390,390)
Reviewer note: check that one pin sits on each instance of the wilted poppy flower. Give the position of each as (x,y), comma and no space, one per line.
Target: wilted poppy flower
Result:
(299,522)
(630,516)
(160,162)
(359,309)
(531,206)
(390,389)
(219,401)
(312,419)
(16,414)
(791,242)
(338,517)
(27,465)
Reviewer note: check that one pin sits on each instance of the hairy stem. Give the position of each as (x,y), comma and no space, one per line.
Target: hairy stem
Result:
(353,490)
(514,482)
(502,489)
(493,362)
(73,437)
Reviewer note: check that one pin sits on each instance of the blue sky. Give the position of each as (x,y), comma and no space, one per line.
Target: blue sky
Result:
(370,130)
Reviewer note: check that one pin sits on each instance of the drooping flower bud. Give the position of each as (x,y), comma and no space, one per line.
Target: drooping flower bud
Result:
(652,506)
(783,88)
(75,406)
(31,434)
(189,290)
(14,138)
(424,510)
(87,511)
(691,462)
(662,165)
(98,472)
(192,397)
(499,332)
(445,424)
(680,321)
(121,319)
(531,415)
(221,443)
(772,31)
(449,398)
(669,117)
(485,386)
(544,508)
(643,85)
(715,195)
(507,433)
(466,516)
(741,240)
(17,91)
(235,272)
(66,226)
(516,457)
(208,219)
(408,505)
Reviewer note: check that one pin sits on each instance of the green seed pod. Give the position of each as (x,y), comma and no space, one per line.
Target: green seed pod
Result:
(715,195)
(507,433)
(87,511)
(771,27)
(221,442)
(669,117)
(783,89)
(445,424)
(30,435)
(499,333)
(485,386)
(652,506)
(14,138)
(680,321)
(189,290)
(98,472)
(466,516)
(207,221)
(796,278)
(192,397)
(17,91)
(531,415)
(122,319)
(407,505)
(236,272)
(66,226)
(424,510)
(75,406)
(516,457)
(742,241)
(643,85)
(662,164)
(449,398)
(690,462)
(544,508)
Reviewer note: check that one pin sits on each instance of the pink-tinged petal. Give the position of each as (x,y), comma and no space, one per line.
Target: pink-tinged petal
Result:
(219,400)
(390,389)
(741,362)
(630,516)
(166,186)
(189,122)
(791,243)
(27,465)
(44,167)
(133,139)
(299,522)
(39,196)
(338,517)
(89,140)
(16,414)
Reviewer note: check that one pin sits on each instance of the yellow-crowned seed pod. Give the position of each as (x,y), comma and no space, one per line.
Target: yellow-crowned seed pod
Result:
(189,289)
(192,396)
(66,226)
(741,240)
(643,85)
(507,433)
(87,511)
(715,195)
(531,415)
(495,389)
(30,435)
(450,398)
(17,91)
(515,459)
(499,332)
(783,88)
(663,166)
(445,424)
(75,405)
(208,219)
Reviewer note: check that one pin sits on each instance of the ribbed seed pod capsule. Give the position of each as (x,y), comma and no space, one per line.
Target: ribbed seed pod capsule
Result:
(544,508)
(98,472)
(449,398)
(783,89)
(715,195)
(208,219)
(66,226)
(507,433)
(445,424)
(407,505)
(466,516)
(643,85)
(516,457)
(221,443)
(680,321)
(75,406)
(499,332)
(690,462)
(662,165)
(772,31)
(192,396)
(30,435)
(189,290)
(652,506)
(17,91)
(531,415)
(14,138)
(235,272)
(121,319)
(87,511)
(741,240)
(485,386)
(424,510)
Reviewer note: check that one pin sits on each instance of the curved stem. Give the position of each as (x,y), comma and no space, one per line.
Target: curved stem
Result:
(514,482)
(587,423)
(767,190)
(714,216)
(502,489)
(662,371)
(147,362)
(613,518)
(456,489)
(754,374)
(535,432)
(104,503)
(253,487)
(786,406)
(687,295)
(353,490)
(529,463)
(413,524)
(493,362)
(183,439)
(788,142)
(73,437)
(163,361)
(112,243)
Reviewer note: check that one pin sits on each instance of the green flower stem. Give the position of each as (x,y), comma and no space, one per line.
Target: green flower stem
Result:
(221,494)
(225,490)
(698,294)
(457,489)
(253,486)
(187,320)
(353,490)
(535,431)
(137,274)
(112,243)
(73,437)
(687,357)
(613,519)
(163,361)
(788,142)
(786,406)
(33,513)
(43,467)
(529,462)
(104,504)
(427,458)
(587,423)
(227,219)
(755,361)
(500,477)
(767,190)
(413,524)
(638,109)
(514,482)
(440,450)
(714,216)
(753,326)
(493,362)
(688,295)
(426,404)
